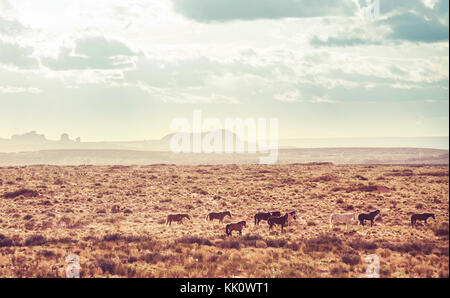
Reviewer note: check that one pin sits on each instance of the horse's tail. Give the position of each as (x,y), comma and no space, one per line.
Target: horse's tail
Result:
(207,217)
(226,229)
(167,220)
(331,221)
(255,219)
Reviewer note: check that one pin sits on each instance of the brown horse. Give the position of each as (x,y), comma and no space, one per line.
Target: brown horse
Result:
(235,227)
(176,217)
(220,216)
(282,220)
(265,216)
(423,216)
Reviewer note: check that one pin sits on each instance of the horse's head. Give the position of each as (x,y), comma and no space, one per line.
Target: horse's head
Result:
(228,213)
(243,223)
(187,216)
(432,215)
(293,214)
(377,212)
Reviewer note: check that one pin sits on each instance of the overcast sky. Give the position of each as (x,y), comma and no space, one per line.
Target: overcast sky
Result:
(122,70)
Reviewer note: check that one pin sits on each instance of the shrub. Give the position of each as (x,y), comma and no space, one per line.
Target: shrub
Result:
(153,258)
(35,240)
(230,244)
(442,230)
(22,192)
(276,243)
(322,242)
(106,265)
(112,237)
(351,259)
(5,241)
(361,244)
(198,240)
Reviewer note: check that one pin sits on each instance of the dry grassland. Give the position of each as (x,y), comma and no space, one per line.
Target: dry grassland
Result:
(113,218)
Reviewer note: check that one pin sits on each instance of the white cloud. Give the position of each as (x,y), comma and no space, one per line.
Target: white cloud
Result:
(290,96)
(13,89)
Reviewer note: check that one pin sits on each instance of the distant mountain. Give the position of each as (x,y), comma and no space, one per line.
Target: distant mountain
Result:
(441,142)
(412,156)
(33,141)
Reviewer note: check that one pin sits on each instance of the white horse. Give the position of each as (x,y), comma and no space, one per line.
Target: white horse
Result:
(342,218)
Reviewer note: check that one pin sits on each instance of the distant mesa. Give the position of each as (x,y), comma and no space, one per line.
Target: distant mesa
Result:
(29,137)
(224,133)
(33,136)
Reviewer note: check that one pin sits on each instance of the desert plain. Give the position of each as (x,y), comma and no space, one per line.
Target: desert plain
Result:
(113,218)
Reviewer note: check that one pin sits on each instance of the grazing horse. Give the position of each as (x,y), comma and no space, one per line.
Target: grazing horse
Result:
(368,216)
(265,216)
(176,217)
(423,216)
(220,216)
(235,227)
(292,216)
(281,220)
(343,218)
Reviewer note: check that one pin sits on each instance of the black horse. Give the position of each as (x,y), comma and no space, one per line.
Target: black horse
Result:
(265,216)
(368,216)
(282,221)
(423,216)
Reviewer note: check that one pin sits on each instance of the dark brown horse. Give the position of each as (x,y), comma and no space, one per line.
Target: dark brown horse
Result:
(220,216)
(235,227)
(423,216)
(176,217)
(281,220)
(265,216)
(368,216)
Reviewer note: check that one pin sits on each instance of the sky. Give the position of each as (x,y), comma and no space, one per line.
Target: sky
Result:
(121,70)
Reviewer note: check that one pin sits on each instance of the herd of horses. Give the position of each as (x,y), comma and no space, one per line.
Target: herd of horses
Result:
(276,218)
(348,217)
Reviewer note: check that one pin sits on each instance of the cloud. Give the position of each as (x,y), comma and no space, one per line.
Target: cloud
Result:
(416,28)
(290,96)
(5,6)
(400,21)
(15,55)
(342,42)
(13,89)
(10,26)
(230,10)
(92,53)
